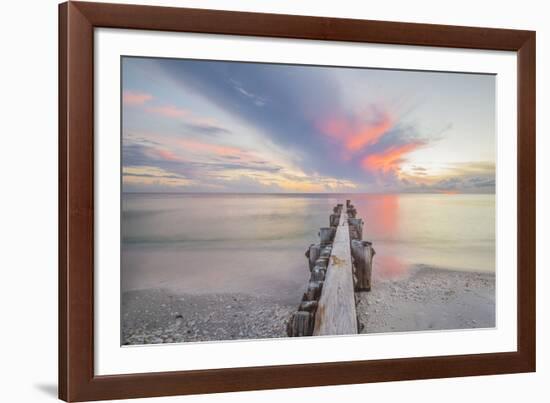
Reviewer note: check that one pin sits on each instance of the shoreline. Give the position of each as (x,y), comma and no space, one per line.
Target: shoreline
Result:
(427,298)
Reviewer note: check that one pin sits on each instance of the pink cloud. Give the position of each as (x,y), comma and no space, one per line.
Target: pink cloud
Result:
(169,111)
(220,150)
(390,159)
(354,134)
(135,98)
(167,155)
(368,134)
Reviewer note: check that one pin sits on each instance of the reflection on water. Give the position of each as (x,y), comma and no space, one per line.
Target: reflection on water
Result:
(256,243)
(446,231)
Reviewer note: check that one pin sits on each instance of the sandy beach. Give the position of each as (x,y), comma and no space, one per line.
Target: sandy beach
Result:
(426,299)
(162,316)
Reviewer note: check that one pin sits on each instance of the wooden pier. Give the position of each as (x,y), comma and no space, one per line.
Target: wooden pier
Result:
(340,264)
(336,308)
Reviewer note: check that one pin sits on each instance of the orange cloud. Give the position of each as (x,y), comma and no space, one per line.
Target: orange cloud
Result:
(368,135)
(355,136)
(389,159)
(135,98)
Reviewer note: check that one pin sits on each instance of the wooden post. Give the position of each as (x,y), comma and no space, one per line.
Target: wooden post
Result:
(322,261)
(300,324)
(356,228)
(313,291)
(318,274)
(308,306)
(325,252)
(334,219)
(312,254)
(326,235)
(336,309)
(363,253)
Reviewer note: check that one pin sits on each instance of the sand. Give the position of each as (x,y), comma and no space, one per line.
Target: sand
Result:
(162,316)
(429,299)
(426,299)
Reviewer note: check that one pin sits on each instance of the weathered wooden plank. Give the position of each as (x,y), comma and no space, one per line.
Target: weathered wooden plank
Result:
(336,308)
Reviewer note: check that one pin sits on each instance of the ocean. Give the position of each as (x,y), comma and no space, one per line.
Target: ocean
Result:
(255,243)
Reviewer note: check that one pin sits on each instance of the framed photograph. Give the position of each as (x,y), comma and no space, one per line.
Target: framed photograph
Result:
(256,201)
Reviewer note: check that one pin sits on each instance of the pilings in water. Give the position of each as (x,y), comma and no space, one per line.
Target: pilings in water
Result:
(361,251)
(339,264)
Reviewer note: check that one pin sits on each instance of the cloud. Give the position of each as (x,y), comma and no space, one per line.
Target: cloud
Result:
(134,98)
(463,177)
(389,159)
(167,155)
(465,185)
(373,143)
(192,165)
(256,99)
(209,148)
(188,157)
(135,178)
(319,131)
(473,168)
(480,182)
(357,132)
(190,121)
(418,169)
(168,111)
(297,97)
(205,128)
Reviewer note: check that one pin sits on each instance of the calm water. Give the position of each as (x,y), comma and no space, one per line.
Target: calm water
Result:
(256,243)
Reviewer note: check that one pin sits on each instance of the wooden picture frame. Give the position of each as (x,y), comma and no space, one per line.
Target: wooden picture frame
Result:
(77,21)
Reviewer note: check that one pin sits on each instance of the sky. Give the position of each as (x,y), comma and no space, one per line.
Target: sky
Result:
(218,126)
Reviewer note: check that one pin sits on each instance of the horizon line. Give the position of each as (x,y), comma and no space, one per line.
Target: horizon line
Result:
(447,193)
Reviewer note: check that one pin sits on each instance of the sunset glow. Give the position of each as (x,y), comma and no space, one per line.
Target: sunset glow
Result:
(355,136)
(194,126)
(390,159)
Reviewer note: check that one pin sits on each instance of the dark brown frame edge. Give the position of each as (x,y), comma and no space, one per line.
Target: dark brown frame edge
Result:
(77,21)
